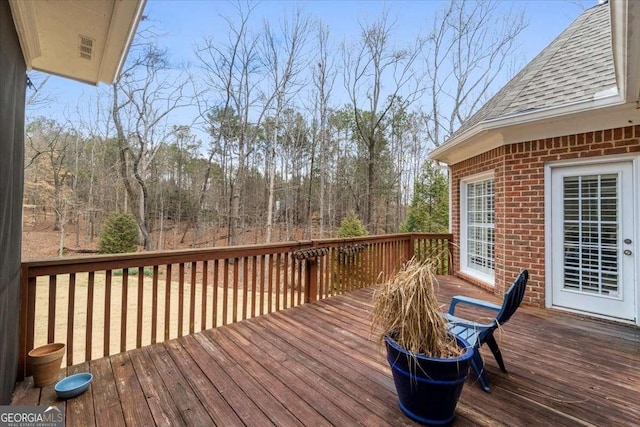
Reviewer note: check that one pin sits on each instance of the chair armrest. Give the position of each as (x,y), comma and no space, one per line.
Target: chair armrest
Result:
(472,301)
(468,324)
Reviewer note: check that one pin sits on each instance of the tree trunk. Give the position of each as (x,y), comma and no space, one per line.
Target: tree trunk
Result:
(272,181)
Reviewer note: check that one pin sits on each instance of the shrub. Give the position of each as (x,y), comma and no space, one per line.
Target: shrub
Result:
(119,234)
(351,226)
(133,271)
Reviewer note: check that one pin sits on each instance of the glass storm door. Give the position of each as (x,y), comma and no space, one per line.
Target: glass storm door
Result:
(592,239)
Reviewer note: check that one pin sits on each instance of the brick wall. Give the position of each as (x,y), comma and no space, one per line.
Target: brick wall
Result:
(519,198)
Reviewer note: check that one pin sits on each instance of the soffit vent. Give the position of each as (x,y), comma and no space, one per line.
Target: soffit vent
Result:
(86,47)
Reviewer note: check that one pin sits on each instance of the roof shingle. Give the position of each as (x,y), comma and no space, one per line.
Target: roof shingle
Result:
(574,67)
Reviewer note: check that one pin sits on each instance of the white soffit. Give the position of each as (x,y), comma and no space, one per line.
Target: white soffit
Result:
(85,40)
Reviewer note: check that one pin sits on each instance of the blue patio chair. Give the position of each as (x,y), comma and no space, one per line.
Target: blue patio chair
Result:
(479,333)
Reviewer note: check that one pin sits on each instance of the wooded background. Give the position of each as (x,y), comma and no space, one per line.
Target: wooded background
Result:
(287,132)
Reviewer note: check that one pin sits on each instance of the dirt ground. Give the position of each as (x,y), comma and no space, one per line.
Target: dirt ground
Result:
(41,241)
(98,329)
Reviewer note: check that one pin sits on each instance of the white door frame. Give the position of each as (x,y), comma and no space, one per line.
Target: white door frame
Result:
(548,168)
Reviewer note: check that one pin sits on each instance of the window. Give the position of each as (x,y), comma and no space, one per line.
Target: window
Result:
(476,227)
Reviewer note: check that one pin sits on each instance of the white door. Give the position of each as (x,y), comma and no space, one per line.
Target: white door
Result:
(592,233)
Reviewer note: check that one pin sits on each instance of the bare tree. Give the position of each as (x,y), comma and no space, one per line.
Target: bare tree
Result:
(377,76)
(143,97)
(36,96)
(468,50)
(324,75)
(284,59)
(232,69)
(235,73)
(95,121)
(219,62)
(52,141)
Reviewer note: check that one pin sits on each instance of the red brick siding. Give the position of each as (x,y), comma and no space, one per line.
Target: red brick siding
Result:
(519,198)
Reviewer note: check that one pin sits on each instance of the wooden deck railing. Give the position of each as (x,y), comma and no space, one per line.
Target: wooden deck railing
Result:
(107,304)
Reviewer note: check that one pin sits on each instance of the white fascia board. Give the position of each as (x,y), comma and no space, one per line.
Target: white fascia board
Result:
(632,53)
(488,134)
(124,22)
(24,19)
(618,18)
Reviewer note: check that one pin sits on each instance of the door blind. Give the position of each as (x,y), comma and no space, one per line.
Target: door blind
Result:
(591,234)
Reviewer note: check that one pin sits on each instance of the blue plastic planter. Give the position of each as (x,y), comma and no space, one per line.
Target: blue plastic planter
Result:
(428,388)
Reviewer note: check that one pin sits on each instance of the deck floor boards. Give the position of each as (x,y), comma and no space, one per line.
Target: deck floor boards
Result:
(318,364)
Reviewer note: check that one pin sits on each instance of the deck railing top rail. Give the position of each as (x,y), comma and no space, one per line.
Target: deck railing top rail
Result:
(78,264)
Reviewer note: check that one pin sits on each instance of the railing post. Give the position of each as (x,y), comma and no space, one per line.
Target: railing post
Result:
(450,254)
(22,351)
(411,247)
(311,288)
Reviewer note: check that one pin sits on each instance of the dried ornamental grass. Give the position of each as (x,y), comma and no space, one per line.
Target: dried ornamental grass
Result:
(406,309)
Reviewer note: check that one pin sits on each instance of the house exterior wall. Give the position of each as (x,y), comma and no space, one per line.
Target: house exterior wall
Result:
(519,226)
(12,99)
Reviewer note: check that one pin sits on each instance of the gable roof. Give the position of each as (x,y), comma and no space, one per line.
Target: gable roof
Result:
(576,66)
(575,73)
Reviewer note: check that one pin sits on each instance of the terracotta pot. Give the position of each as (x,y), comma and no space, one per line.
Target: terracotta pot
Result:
(44,363)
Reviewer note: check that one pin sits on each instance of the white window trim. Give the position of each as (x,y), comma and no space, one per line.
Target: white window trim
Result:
(464,268)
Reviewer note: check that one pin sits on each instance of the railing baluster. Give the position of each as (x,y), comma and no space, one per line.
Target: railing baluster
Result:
(254,275)
(205,280)
(53,279)
(293,283)
(107,314)
(225,290)
(300,285)
(140,307)
(192,298)
(337,271)
(236,267)
(214,310)
(331,271)
(260,296)
(355,272)
(31,314)
(321,277)
(180,298)
(154,305)
(348,274)
(167,302)
(379,263)
(327,274)
(89,331)
(70,317)
(348,277)
(278,270)
(245,282)
(270,287)
(285,287)
(125,308)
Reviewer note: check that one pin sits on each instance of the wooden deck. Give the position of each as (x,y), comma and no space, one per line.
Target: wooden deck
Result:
(317,365)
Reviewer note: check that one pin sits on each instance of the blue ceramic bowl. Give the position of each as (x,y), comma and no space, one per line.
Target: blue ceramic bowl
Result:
(73,385)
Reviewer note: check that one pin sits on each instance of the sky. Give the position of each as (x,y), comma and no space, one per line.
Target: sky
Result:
(182,25)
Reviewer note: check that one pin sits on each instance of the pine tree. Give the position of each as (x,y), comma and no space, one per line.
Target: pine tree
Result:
(351,226)
(429,211)
(119,234)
